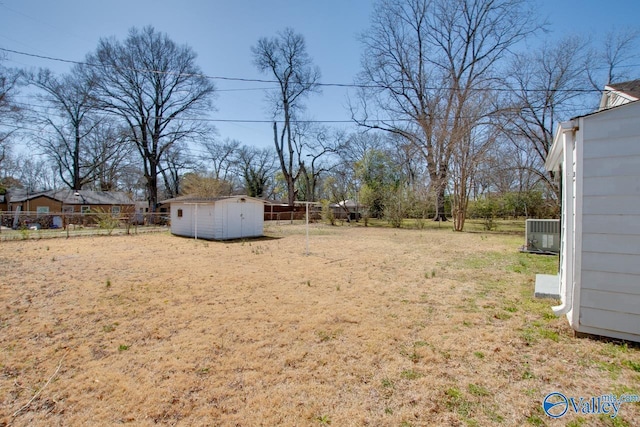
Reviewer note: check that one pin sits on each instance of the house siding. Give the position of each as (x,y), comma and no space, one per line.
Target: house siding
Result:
(33,204)
(609,300)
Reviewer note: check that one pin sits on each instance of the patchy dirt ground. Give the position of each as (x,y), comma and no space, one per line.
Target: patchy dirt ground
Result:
(374,327)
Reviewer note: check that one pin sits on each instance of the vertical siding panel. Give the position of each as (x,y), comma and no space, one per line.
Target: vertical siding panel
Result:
(610,270)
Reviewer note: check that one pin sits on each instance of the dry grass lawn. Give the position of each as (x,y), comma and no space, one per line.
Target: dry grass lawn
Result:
(377,327)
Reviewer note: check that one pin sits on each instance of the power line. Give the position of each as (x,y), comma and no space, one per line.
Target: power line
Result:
(267,81)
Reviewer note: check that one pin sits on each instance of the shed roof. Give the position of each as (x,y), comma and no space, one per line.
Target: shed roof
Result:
(190,198)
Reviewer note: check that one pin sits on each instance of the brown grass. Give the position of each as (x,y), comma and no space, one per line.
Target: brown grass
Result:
(374,327)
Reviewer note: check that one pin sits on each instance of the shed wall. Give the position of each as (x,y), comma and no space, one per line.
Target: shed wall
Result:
(231,218)
(242,218)
(182,225)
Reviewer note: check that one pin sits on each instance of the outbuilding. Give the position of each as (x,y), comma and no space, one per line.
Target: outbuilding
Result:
(221,218)
(597,156)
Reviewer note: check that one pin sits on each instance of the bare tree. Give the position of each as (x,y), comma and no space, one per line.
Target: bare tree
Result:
(285,57)
(155,87)
(108,150)
(71,125)
(425,60)
(9,111)
(547,86)
(35,173)
(257,167)
(609,62)
(317,142)
(175,163)
(469,152)
(221,156)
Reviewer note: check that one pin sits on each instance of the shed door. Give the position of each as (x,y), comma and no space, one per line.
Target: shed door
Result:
(235,219)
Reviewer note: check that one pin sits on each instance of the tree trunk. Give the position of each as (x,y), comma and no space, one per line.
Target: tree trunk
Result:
(77,182)
(440,213)
(152,185)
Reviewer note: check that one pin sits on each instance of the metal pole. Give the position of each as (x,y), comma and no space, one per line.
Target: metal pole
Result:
(196,223)
(307,205)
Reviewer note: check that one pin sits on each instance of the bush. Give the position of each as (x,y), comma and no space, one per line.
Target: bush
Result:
(486,208)
(327,213)
(395,207)
(106,220)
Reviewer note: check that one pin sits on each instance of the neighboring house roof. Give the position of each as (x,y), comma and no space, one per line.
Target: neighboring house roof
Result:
(554,160)
(88,197)
(82,197)
(16,196)
(616,94)
(347,204)
(631,88)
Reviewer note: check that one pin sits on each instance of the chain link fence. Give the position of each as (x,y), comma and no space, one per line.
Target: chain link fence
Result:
(34,225)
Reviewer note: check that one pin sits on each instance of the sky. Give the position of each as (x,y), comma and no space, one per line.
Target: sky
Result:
(222,33)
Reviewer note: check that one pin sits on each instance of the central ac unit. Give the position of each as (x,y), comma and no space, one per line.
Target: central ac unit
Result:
(542,236)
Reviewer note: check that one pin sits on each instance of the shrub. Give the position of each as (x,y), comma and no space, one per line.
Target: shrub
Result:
(327,213)
(106,220)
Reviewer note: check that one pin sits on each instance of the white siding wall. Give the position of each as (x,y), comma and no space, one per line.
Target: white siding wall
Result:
(241,218)
(610,267)
(205,214)
(218,222)
(225,219)
(181,226)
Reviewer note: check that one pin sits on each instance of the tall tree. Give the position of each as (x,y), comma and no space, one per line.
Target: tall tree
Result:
(285,57)
(155,87)
(468,153)
(608,63)
(317,143)
(425,60)
(381,179)
(546,86)
(257,167)
(35,173)
(220,157)
(107,148)
(9,111)
(71,96)
(344,181)
(173,166)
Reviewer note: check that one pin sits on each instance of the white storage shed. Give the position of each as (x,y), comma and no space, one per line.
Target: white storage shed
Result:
(224,218)
(598,157)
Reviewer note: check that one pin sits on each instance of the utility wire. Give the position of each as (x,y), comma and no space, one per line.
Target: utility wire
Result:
(253,80)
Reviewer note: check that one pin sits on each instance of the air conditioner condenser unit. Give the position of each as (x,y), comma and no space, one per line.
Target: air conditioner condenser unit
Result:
(542,236)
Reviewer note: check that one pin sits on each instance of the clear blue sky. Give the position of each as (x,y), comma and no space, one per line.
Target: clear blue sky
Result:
(222,32)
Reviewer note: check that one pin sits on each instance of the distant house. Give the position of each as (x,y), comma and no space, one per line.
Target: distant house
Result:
(69,201)
(219,218)
(616,94)
(598,157)
(350,210)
